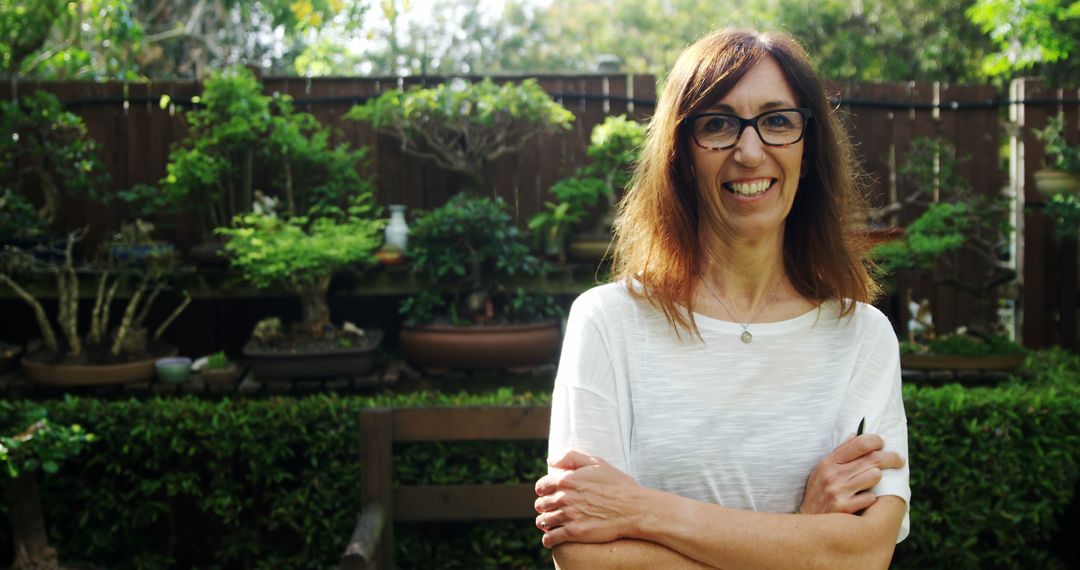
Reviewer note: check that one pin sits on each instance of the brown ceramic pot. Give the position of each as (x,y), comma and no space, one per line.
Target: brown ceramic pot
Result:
(94,374)
(481,347)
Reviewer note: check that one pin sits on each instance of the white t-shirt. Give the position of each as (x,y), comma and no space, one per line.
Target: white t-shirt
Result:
(739,425)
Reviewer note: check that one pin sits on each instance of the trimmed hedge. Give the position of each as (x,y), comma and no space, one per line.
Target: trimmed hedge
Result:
(274,483)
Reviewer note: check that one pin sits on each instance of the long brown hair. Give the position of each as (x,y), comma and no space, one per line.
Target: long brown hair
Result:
(657,230)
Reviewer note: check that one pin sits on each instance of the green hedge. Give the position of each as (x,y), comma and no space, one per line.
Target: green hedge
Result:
(274,483)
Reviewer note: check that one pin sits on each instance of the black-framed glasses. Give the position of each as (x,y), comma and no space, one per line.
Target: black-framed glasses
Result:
(719,131)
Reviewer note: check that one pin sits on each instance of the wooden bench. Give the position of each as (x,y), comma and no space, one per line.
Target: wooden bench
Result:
(372,542)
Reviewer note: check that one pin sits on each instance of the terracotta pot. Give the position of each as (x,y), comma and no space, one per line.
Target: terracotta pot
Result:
(325,363)
(481,347)
(953,362)
(1052,182)
(95,374)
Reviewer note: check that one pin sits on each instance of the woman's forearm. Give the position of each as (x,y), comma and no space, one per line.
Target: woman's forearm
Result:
(624,554)
(733,538)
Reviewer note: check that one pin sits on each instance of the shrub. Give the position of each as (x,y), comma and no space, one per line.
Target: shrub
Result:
(180,483)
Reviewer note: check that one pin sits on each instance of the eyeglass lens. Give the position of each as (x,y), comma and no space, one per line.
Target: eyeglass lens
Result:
(716,131)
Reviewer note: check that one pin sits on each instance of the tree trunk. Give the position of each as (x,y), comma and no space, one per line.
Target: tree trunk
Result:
(32,551)
(314,309)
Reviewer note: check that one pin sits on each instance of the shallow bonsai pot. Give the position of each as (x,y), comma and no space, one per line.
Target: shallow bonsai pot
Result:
(221,376)
(481,347)
(954,362)
(268,363)
(173,370)
(1052,182)
(95,374)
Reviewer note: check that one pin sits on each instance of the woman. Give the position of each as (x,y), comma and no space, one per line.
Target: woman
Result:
(706,403)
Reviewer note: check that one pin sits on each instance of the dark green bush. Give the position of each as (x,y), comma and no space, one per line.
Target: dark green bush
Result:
(274,483)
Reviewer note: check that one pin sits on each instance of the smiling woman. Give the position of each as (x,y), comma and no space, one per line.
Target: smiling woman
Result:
(706,402)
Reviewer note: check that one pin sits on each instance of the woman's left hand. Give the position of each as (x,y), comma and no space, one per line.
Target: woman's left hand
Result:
(587,500)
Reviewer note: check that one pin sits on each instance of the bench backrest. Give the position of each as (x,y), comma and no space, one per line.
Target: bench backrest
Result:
(380,428)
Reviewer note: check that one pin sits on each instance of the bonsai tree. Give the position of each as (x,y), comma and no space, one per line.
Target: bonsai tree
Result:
(470,248)
(43,149)
(463,126)
(30,443)
(307,170)
(956,241)
(586,200)
(103,342)
(213,167)
(301,253)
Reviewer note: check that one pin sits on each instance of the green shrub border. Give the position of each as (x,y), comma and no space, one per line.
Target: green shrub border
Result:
(274,483)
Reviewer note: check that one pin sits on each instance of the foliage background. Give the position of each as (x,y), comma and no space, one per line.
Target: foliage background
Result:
(875,40)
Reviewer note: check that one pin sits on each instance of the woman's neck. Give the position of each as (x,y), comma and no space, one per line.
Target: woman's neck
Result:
(745,272)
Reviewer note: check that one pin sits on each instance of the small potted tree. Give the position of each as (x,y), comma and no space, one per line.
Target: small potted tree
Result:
(474,317)
(213,168)
(117,347)
(585,202)
(469,245)
(460,126)
(29,444)
(955,243)
(1062,172)
(301,254)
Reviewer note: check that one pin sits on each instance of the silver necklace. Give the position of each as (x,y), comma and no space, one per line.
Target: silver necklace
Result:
(746,337)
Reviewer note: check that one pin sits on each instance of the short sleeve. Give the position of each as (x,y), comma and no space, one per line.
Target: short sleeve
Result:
(584,408)
(875,393)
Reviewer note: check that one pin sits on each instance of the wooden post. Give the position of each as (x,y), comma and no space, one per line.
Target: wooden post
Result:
(376,456)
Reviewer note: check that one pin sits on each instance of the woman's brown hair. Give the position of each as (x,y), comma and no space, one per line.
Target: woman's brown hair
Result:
(657,231)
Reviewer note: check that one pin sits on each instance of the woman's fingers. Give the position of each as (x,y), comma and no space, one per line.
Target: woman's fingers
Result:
(853,449)
(549,502)
(865,480)
(575,459)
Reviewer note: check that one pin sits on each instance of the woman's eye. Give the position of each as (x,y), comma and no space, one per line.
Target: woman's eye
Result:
(777,121)
(719,124)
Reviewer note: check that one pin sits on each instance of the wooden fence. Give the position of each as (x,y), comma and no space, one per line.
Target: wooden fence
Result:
(135,135)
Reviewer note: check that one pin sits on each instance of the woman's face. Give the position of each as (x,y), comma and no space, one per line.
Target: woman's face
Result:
(748,189)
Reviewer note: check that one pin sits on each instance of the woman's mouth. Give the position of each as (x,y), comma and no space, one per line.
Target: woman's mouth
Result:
(749,188)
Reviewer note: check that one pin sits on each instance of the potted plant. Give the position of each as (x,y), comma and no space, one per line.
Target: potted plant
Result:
(213,168)
(955,242)
(585,202)
(469,245)
(217,370)
(117,347)
(301,254)
(30,443)
(473,317)
(1062,172)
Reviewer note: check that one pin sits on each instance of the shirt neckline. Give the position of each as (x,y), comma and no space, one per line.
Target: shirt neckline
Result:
(796,322)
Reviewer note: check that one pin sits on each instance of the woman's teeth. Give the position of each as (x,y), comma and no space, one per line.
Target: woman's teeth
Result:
(749,188)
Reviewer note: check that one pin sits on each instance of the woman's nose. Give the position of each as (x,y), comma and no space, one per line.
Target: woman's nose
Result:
(749,150)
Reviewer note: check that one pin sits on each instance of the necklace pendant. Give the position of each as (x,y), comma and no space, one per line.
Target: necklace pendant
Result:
(746,337)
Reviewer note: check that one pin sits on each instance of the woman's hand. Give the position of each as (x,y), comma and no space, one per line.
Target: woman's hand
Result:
(586,500)
(841,482)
